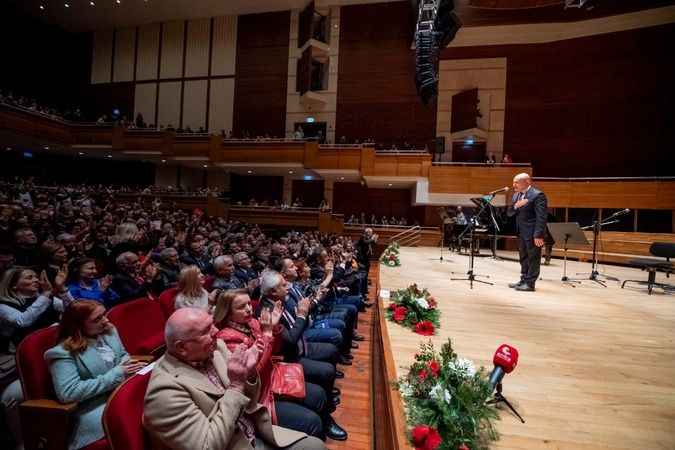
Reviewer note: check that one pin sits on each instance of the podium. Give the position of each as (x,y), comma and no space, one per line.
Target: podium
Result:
(567,233)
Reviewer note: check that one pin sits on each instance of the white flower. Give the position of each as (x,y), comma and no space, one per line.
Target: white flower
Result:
(422,302)
(405,389)
(464,366)
(438,393)
(448,397)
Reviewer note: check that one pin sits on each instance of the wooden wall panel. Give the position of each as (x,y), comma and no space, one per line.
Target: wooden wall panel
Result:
(609,194)
(101,60)
(173,35)
(471,179)
(194,104)
(168,112)
(223,57)
(221,104)
(376,91)
(197,48)
(148,52)
(596,106)
(145,100)
(261,75)
(125,51)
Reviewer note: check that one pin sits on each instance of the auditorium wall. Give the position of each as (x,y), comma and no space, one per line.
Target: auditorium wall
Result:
(592,106)
(354,198)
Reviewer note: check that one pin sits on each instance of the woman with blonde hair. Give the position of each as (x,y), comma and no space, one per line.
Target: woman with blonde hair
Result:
(191,292)
(87,364)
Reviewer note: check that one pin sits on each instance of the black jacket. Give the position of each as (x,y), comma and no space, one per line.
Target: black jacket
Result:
(531,218)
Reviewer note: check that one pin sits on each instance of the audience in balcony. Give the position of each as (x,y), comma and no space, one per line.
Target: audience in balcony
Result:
(71,113)
(384,221)
(506,159)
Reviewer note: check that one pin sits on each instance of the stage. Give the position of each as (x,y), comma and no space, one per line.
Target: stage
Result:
(597,365)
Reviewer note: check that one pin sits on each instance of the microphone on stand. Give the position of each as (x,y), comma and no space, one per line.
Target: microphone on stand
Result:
(620,213)
(498,191)
(505,360)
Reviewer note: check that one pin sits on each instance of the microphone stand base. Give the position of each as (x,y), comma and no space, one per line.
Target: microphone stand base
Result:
(499,398)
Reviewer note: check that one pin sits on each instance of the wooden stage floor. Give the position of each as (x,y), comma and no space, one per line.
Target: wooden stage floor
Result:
(597,365)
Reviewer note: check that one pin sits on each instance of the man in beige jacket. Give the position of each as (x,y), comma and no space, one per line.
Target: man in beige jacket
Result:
(203,397)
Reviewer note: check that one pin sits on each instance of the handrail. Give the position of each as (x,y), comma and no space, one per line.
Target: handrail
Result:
(408,236)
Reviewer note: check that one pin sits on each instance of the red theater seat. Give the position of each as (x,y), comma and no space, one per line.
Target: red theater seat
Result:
(167,301)
(45,422)
(123,415)
(140,324)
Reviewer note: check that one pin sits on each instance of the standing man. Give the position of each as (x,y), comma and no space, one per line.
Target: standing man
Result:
(529,207)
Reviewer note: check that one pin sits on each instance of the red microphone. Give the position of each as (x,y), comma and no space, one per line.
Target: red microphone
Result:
(505,360)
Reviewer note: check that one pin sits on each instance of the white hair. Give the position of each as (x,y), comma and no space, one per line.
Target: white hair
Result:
(269,279)
(522,177)
(220,261)
(123,259)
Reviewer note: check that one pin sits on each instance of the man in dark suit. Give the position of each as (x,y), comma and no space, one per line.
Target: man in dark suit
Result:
(529,207)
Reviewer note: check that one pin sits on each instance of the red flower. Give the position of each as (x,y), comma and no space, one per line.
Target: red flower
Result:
(432,303)
(425,438)
(392,306)
(434,367)
(400,313)
(425,328)
(422,375)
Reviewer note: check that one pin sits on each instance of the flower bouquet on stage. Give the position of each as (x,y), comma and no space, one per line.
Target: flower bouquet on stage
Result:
(390,255)
(415,309)
(446,402)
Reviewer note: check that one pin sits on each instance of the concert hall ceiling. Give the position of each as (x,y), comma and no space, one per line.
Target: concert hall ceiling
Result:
(87,15)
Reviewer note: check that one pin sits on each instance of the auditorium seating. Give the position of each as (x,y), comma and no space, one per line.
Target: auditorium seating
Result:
(123,415)
(46,423)
(140,324)
(167,301)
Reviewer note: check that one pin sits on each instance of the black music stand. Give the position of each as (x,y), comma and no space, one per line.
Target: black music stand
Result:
(471,276)
(567,233)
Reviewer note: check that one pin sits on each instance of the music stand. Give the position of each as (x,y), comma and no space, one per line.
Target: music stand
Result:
(445,220)
(567,233)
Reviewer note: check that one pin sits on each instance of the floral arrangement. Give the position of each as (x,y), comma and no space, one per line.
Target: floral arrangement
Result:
(446,402)
(414,309)
(390,255)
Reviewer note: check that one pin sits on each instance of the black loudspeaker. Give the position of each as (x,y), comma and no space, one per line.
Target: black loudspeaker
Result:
(440,145)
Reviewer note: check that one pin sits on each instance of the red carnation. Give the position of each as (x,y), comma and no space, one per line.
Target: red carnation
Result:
(392,306)
(434,367)
(432,303)
(425,328)
(400,313)
(425,438)
(422,375)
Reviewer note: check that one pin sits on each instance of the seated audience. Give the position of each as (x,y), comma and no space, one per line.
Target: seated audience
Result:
(169,268)
(133,279)
(86,366)
(203,396)
(83,284)
(27,303)
(224,277)
(191,293)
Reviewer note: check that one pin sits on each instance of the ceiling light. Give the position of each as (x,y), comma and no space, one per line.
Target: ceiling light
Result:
(46,147)
(118,1)
(80,153)
(92,4)
(249,171)
(66,5)
(164,160)
(290,171)
(108,156)
(342,178)
(42,7)
(390,185)
(205,166)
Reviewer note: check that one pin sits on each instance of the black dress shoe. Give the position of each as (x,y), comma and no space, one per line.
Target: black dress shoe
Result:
(524,287)
(336,391)
(335,431)
(355,345)
(336,400)
(347,355)
(339,374)
(358,337)
(515,285)
(344,361)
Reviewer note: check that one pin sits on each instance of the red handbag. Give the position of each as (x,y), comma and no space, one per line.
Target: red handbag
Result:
(288,379)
